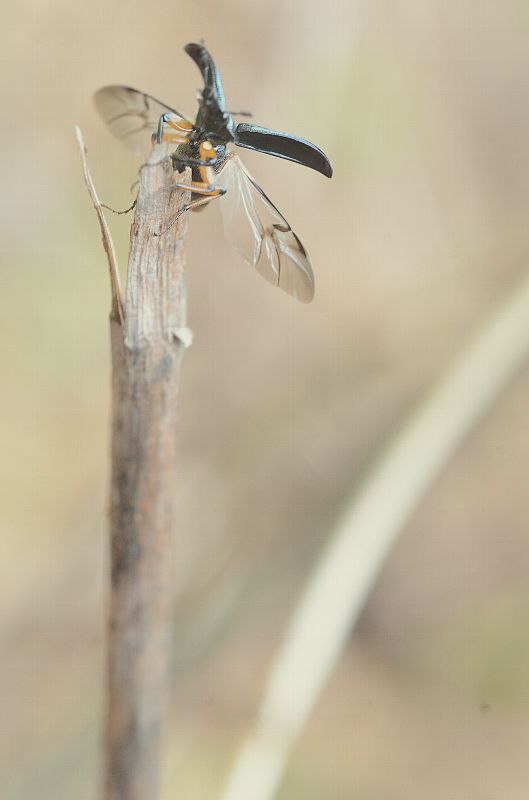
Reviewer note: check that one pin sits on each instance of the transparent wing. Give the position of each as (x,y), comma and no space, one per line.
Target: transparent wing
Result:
(261,234)
(132,116)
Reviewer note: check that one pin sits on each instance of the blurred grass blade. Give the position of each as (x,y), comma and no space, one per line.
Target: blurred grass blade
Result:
(337,591)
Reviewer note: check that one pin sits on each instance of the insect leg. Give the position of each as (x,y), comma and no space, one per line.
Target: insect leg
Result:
(195,204)
(115,211)
(207,188)
(181,129)
(207,185)
(200,188)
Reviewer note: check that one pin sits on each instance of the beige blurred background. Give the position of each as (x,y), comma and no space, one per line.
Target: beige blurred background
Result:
(423,107)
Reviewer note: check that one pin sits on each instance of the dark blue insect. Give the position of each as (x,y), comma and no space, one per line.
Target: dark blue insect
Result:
(251,221)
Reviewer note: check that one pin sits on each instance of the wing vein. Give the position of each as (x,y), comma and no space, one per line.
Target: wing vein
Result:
(260,233)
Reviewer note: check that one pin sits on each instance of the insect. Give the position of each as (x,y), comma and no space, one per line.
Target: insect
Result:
(252,223)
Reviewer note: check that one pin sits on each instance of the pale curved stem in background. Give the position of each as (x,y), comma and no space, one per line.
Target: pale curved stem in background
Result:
(346,572)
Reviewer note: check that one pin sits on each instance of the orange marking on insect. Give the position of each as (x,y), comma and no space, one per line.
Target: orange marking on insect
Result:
(202,187)
(174,138)
(181,125)
(207,153)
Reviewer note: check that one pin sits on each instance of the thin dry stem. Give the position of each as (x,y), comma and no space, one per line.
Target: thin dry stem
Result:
(117,304)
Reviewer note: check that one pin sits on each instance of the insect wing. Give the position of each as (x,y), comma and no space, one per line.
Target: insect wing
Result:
(132,116)
(261,234)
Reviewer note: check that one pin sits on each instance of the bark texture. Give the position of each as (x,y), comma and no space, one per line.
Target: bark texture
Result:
(147,350)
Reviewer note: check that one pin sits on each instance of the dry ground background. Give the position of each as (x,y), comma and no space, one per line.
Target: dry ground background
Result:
(423,106)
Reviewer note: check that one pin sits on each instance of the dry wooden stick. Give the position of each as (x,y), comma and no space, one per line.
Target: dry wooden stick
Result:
(148,337)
